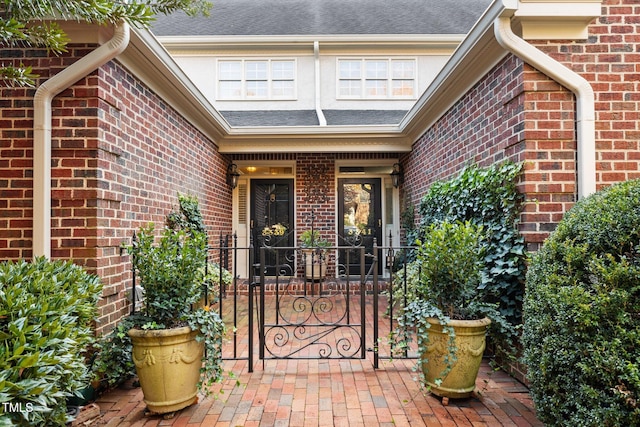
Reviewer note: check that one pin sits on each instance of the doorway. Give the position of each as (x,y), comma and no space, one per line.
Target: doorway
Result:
(359,221)
(272,222)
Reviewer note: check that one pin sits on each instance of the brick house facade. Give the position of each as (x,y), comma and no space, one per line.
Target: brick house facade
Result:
(120,155)
(122,150)
(516,112)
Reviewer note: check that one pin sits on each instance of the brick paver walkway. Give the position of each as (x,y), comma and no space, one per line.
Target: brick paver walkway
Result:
(331,393)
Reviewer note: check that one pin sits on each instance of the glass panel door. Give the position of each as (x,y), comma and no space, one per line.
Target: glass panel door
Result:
(359,220)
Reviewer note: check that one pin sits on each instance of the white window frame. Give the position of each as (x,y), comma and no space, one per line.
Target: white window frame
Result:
(245,82)
(362,79)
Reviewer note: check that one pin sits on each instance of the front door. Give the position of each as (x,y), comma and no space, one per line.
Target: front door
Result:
(272,222)
(359,220)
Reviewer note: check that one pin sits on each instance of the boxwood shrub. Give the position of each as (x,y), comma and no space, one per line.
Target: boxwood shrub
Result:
(47,311)
(582,314)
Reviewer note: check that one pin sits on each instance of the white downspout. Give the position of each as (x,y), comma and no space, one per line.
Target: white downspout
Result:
(316,55)
(42,131)
(585,100)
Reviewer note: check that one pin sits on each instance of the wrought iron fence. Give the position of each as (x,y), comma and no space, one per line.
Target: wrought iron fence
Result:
(308,298)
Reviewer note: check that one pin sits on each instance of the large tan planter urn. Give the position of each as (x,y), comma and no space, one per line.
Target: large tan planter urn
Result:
(168,365)
(470,339)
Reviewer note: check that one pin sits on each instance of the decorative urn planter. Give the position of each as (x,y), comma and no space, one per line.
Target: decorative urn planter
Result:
(470,342)
(315,267)
(168,366)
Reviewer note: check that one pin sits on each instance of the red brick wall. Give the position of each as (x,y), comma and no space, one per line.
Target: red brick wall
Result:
(120,155)
(610,61)
(517,113)
(484,127)
(16,187)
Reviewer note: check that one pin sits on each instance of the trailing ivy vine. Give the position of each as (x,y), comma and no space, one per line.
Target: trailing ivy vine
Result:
(487,197)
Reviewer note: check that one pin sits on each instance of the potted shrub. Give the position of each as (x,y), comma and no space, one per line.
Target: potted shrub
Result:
(449,312)
(169,346)
(314,253)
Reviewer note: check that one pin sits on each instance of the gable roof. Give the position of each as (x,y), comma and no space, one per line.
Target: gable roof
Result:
(322,17)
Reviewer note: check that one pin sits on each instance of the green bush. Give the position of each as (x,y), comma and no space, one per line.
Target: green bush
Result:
(487,197)
(47,310)
(582,314)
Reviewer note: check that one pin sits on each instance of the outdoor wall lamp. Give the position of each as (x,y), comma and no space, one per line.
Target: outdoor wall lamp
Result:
(233,175)
(396,175)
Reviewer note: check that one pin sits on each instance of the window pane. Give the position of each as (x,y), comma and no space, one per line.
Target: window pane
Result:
(256,89)
(282,89)
(256,70)
(349,69)
(282,70)
(402,69)
(350,88)
(376,70)
(229,89)
(376,88)
(402,88)
(230,70)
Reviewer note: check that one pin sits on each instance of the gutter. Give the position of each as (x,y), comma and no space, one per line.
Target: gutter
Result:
(42,131)
(322,120)
(585,100)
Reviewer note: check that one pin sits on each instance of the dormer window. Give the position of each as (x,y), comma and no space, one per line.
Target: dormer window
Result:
(249,79)
(376,78)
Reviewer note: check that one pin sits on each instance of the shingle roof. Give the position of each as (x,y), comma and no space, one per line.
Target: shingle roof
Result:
(321,17)
(310,118)
(271,118)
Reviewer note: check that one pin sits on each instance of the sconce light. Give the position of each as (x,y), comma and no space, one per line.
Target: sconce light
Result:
(396,175)
(232,175)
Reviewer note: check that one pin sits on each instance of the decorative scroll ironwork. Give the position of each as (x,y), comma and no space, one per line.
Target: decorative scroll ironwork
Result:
(317,186)
(314,317)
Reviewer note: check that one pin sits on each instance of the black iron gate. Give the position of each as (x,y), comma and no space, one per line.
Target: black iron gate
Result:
(309,314)
(329,312)
(319,309)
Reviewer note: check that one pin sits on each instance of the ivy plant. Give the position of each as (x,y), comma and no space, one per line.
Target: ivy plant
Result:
(487,197)
(171,270)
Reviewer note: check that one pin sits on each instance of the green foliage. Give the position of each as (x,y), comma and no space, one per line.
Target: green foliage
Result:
(215,275)
(16,14)
(47,310)
(450,264)
(114,363)
(188,217)
(169,272)
(313,239)
(582,314)
(450,268)
(211,330)
(487,197)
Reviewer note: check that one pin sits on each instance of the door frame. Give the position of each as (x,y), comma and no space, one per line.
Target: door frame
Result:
(376,168)
(288,237)
(377,212)
(241,199)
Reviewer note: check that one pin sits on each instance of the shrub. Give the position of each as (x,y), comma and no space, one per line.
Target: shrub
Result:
(47,310)
(582,314)
(487,197)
